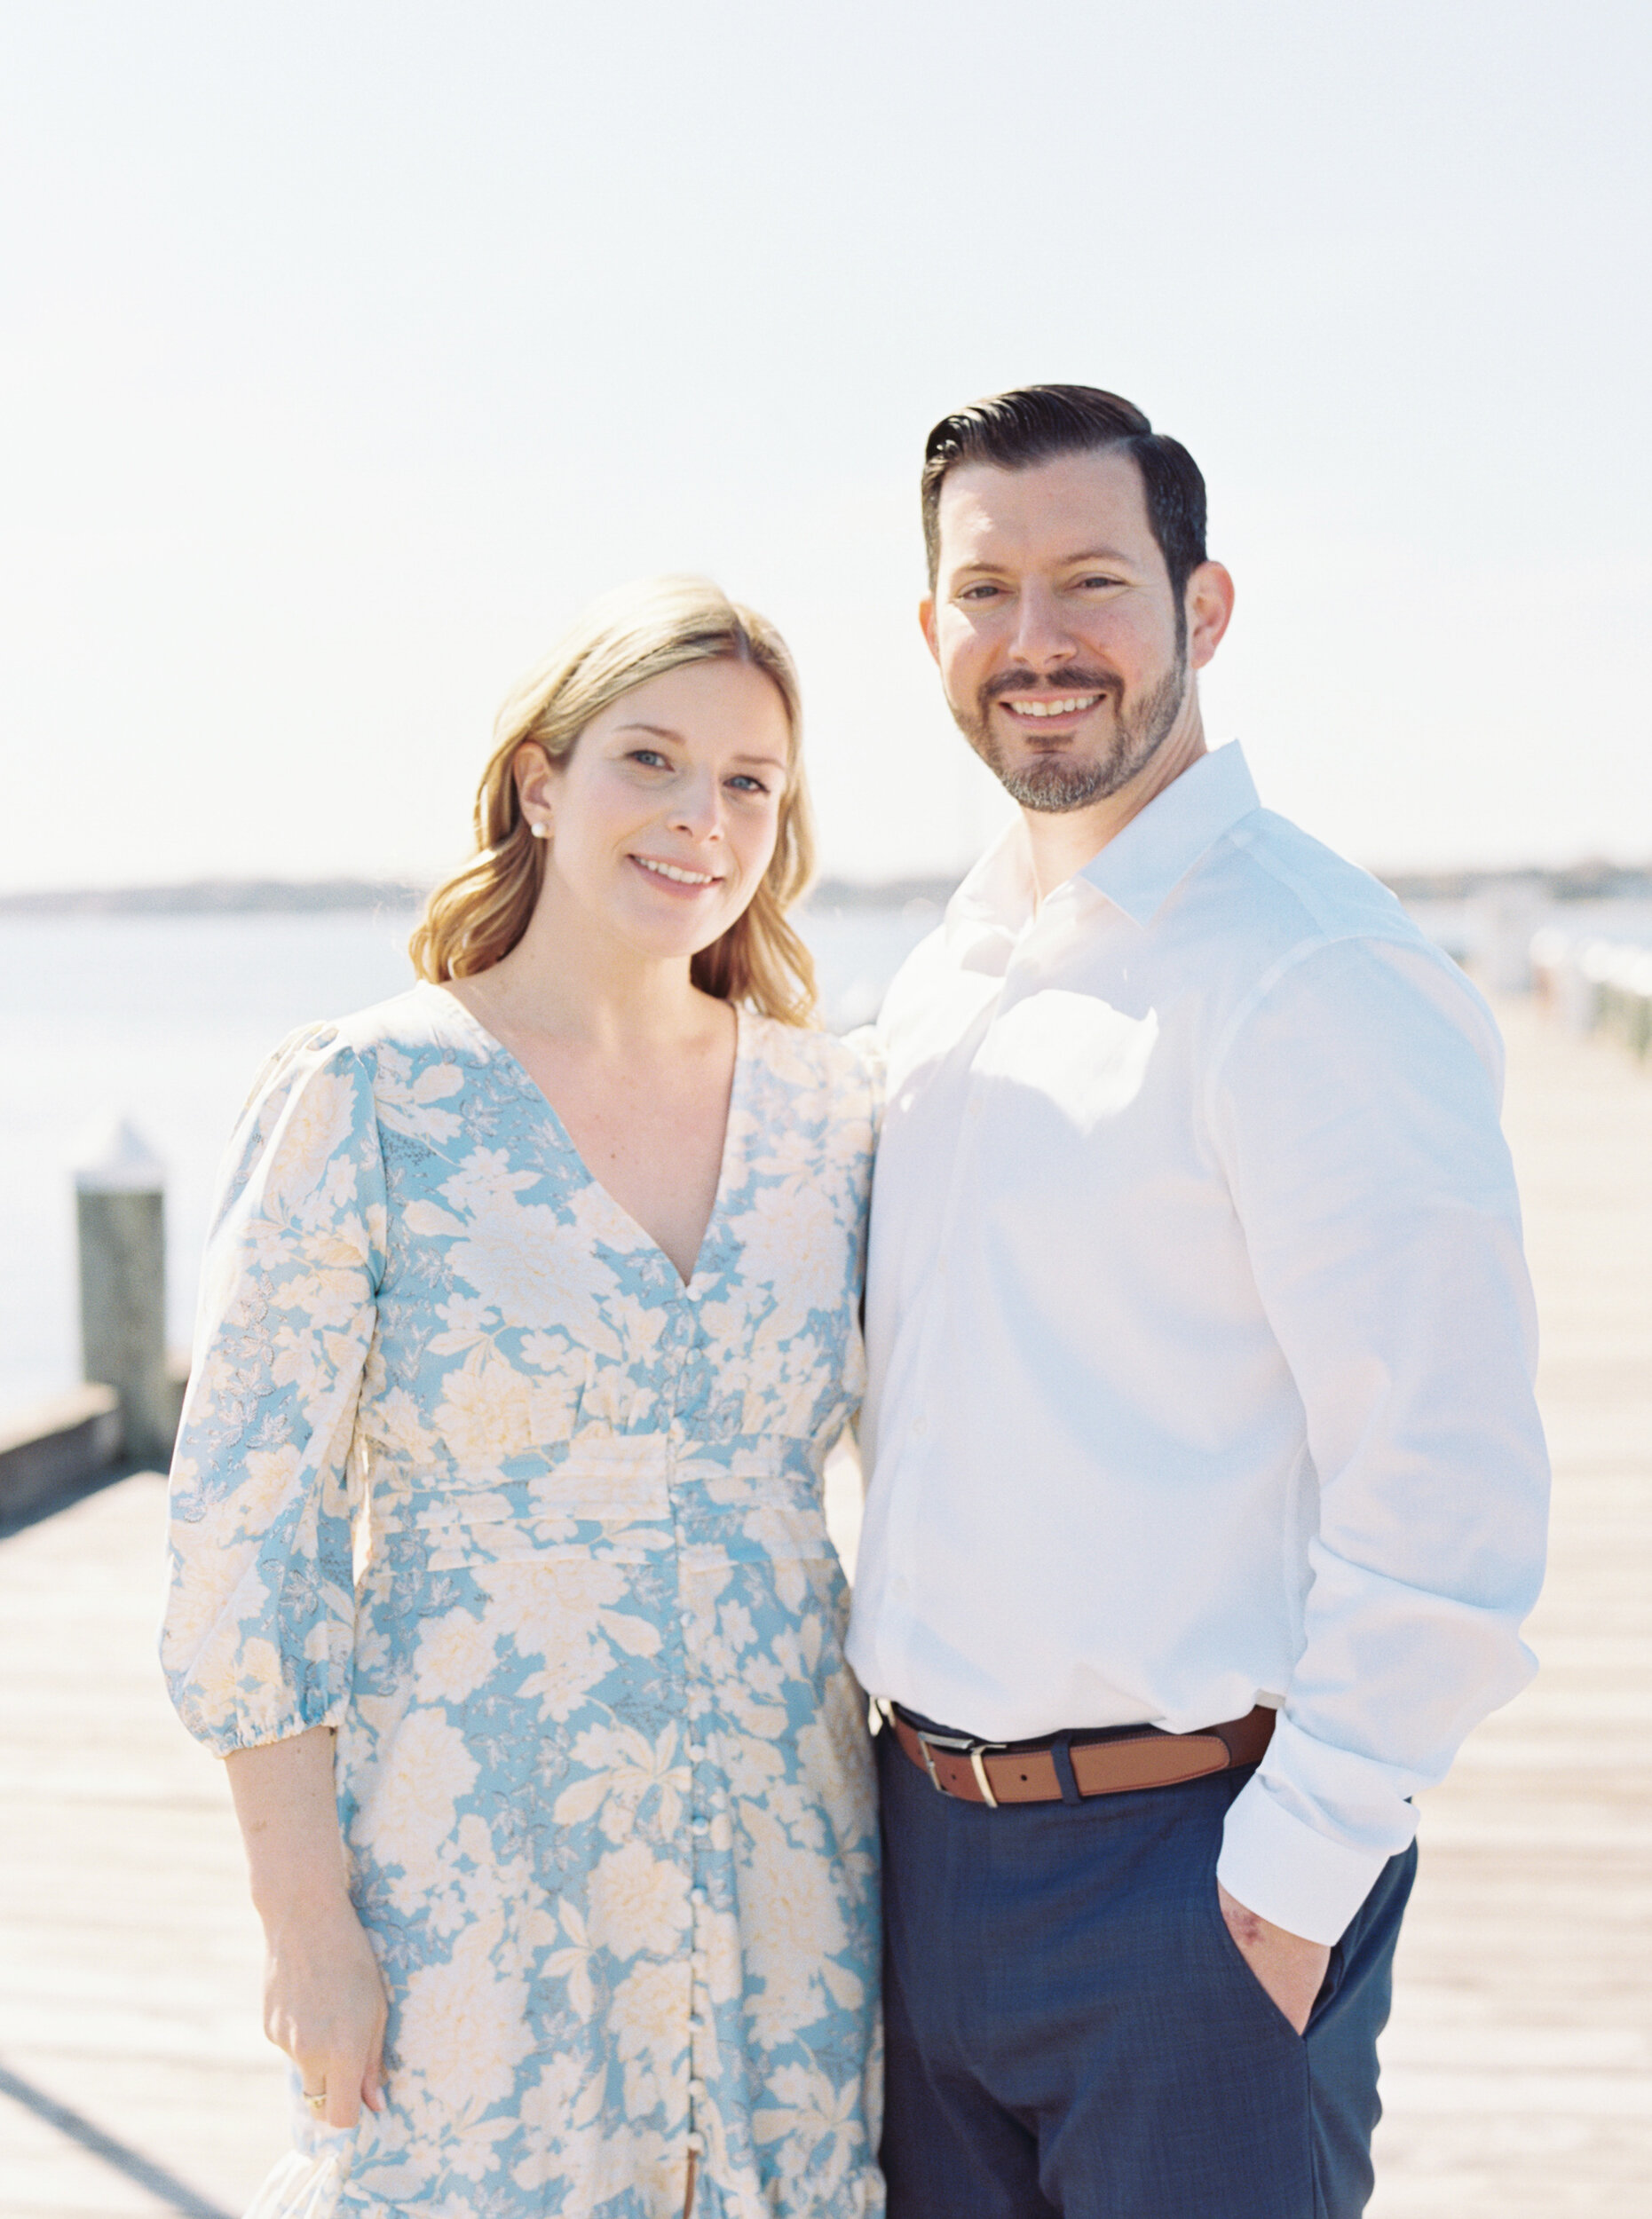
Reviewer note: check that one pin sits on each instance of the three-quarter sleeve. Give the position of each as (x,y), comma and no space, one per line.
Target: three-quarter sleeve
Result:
(260,1620)
(1356,1113)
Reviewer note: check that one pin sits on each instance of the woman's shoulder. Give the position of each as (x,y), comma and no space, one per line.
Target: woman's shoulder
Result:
(384,1046)
(841,1072)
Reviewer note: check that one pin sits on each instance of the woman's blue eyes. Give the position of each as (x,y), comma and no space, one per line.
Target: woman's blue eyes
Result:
(650,756)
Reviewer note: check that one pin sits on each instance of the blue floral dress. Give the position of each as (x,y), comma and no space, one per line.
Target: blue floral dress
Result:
(603,1775)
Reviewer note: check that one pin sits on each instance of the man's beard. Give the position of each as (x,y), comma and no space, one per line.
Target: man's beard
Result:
(1058,780)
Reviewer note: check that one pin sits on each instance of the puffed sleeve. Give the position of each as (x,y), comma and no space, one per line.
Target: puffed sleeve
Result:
(260,1620)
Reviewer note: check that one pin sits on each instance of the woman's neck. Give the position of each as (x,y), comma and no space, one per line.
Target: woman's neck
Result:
(593,994)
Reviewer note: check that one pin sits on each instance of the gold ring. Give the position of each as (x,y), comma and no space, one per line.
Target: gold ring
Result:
(316,2099)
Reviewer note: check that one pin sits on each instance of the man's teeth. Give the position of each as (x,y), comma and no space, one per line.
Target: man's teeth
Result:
(1073,703)
(670,871)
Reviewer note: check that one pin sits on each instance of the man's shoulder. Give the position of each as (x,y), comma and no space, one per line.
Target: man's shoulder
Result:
(1325,946)
(1276,889)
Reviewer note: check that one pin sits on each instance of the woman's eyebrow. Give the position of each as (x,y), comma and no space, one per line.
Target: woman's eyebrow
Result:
(660,731)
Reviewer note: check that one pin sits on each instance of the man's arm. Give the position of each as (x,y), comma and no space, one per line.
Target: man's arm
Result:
(1356,1114)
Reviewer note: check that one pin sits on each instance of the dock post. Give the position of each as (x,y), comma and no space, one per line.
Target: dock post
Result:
(121,1219)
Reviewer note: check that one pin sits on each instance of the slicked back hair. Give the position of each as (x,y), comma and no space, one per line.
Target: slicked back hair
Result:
(1034,423)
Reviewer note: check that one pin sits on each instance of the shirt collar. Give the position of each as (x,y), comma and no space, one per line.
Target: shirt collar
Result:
(1135,871)
(998,897)
(1141,865)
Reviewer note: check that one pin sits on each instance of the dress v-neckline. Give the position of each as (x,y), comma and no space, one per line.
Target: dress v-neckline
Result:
(565,1138)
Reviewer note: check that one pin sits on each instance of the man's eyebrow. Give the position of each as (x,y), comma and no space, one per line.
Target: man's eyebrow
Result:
(1112,555)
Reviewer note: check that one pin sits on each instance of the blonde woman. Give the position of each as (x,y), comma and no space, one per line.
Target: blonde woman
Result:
(537,1286)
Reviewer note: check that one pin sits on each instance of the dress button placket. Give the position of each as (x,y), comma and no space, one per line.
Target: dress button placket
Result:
(689,1336)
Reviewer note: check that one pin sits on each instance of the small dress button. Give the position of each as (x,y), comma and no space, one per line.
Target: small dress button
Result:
(700,1826)
(697,1752)
(699,1897)
(697,2089)
(696,2142)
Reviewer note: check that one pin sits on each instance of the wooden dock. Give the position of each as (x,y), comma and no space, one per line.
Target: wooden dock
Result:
(1518,2069)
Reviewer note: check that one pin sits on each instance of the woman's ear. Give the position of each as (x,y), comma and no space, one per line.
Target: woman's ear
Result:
(536,780)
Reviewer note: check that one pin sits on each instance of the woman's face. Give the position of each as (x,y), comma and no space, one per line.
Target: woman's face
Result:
(663,817)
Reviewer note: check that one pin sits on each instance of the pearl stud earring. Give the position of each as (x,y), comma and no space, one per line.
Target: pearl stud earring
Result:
(540,832)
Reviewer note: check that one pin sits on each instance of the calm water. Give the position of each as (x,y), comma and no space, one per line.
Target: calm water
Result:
(164,1020)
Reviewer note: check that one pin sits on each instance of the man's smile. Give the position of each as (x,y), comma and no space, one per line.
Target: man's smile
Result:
(1039,708)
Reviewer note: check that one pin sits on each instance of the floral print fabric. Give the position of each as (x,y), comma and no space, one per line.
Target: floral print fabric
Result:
(603,1773)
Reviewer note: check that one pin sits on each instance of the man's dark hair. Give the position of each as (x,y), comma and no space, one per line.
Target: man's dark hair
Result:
(1036,422)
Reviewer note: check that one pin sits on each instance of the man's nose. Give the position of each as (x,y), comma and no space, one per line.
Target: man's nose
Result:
(1041,638)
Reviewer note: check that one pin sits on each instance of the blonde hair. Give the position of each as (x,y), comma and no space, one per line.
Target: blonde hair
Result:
(617,644)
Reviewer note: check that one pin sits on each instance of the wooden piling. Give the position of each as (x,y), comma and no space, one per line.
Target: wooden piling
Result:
(121,1210)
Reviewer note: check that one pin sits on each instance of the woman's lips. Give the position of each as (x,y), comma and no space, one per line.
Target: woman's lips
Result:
(676,878)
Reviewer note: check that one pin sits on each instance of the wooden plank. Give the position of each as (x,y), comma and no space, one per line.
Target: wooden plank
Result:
(55,1446)
(1518,2065)
(129,1958)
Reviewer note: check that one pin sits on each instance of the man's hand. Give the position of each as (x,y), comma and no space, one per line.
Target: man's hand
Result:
(1291,1971)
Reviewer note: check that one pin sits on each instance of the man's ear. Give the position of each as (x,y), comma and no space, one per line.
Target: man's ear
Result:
(1209,605)
(926,624)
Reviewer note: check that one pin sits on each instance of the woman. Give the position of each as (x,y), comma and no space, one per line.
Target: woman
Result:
(538,1285)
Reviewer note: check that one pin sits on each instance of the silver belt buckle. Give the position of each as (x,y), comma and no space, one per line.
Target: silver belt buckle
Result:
(958,1746)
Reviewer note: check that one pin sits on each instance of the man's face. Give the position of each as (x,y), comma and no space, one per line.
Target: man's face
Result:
(1063,651)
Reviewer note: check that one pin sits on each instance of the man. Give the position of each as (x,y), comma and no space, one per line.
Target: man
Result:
(1206,1486)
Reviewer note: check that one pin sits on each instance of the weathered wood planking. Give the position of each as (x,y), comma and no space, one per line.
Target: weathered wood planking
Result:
(1519,2065)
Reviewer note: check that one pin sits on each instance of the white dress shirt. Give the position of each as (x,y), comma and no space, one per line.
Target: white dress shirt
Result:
(1200,1338)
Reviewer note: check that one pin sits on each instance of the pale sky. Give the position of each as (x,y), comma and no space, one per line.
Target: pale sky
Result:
(345,349)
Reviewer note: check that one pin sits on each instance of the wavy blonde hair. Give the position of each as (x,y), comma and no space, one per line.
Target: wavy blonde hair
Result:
(617,644)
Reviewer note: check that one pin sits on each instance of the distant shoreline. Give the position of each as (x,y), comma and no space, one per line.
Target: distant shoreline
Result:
(230,898)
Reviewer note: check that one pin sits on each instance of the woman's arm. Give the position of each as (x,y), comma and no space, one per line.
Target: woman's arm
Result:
(323,1998)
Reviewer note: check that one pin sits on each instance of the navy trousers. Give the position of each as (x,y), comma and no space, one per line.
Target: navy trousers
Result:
(1072,2030)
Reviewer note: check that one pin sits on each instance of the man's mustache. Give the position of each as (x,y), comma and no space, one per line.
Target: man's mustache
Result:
(1069,682)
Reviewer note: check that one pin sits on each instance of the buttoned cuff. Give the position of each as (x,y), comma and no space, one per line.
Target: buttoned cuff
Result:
(1289,1873)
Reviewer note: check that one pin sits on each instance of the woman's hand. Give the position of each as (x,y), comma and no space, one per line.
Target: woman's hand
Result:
(323,1994)
(324,2005)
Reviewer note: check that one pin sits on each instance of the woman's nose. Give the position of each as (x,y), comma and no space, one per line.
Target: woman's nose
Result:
(699,809)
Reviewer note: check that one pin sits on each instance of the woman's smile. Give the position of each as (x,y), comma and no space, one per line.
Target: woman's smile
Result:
(677,878)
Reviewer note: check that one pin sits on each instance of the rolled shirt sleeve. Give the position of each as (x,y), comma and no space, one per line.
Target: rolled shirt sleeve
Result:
(258,1634)
(1355,1110)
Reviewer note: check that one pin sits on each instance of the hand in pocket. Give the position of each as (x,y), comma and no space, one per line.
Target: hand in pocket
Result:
(1291,1971)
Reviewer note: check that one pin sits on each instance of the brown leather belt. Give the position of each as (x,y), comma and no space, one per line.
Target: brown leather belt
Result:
(1028,1771)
